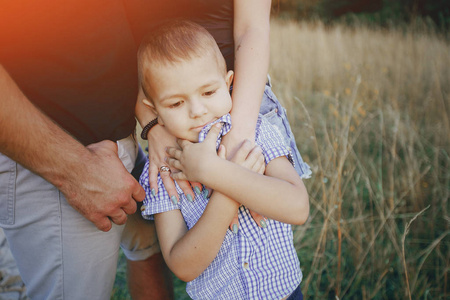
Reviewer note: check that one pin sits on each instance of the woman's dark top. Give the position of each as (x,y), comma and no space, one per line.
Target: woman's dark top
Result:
(76,59)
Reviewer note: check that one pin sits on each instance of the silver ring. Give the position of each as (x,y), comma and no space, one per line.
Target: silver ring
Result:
(164,169)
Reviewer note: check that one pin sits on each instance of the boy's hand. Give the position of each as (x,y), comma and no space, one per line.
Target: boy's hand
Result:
(192,160)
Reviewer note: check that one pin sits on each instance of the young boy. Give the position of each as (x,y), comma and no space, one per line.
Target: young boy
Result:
(185,81)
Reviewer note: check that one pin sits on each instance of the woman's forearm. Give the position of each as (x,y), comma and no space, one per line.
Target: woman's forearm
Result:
(250,79)
(251,37)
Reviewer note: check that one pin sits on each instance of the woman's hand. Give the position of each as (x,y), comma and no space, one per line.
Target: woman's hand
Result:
(158,140)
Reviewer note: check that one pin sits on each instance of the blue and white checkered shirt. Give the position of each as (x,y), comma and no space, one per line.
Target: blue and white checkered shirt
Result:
(255,263)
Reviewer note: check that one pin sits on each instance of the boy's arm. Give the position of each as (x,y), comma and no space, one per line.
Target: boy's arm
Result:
(279,194)
(189,253)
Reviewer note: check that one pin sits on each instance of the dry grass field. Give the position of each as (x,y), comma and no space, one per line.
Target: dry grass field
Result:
(370,110)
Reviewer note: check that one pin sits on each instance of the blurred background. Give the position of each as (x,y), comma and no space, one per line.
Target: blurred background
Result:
(366,85)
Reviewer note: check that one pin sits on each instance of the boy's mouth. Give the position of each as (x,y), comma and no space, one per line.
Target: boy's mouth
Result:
(200,127)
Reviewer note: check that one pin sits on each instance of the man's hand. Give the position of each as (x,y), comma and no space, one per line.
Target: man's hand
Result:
(103,191)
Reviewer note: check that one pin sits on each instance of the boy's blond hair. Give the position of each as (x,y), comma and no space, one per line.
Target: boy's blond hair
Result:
(173,42)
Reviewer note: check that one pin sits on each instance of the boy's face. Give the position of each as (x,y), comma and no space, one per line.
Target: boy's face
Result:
(188,95)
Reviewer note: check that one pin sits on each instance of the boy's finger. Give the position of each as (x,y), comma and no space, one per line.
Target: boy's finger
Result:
(242,152)
(222,152)
(183,143)
(213,133)
(178,176)
(174,152)
(252,160)
(174,163)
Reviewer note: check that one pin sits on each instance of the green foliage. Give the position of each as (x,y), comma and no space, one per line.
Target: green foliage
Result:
(379,12)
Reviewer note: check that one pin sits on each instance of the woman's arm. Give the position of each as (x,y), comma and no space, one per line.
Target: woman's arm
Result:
(251,39)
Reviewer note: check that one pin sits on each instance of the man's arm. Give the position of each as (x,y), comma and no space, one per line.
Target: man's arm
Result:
(92,178)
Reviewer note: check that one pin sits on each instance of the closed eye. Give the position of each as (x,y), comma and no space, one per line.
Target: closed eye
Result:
(209,93)
(174,105)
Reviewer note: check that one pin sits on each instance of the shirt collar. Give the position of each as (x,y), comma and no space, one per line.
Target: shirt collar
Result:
(226,127)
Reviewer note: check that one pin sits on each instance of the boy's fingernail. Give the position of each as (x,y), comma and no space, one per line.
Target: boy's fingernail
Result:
(197,190)
(263,224)
(189,197)
(153,192)
(235,228)
(174,200)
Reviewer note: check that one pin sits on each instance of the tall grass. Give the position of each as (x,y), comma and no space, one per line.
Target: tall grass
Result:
(370,112)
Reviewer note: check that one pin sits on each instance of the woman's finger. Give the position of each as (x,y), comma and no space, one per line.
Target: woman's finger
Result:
(259,219)
(197,186)
(234,225)
(153,171)
(186,187)
(169,184)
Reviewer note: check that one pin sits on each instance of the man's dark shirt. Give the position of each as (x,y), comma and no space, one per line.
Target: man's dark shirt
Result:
(76,59)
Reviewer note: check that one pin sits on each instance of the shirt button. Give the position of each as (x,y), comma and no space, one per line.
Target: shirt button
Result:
(246,265)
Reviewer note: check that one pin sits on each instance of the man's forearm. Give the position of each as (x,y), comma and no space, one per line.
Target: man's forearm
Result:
(31,138)
(92,178)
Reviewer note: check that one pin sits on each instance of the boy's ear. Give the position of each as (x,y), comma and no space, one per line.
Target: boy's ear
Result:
(152,107)
(149,104)
(229,78)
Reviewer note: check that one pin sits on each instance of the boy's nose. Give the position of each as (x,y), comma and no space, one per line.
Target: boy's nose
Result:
(197,109)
